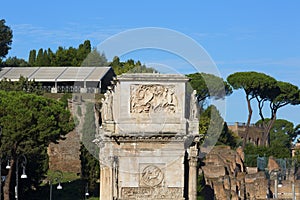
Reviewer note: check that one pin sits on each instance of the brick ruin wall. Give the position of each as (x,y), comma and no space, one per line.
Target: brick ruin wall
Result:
(65,156)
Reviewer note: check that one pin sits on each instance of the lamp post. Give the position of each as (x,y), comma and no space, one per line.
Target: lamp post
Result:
(277,182)
(86,193)
(56,176)
(23,176)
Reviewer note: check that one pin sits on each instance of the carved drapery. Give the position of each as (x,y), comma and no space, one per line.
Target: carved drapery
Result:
(152,98)
(194,106)
(106,109)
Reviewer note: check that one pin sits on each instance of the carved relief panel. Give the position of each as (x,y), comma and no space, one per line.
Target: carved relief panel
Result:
(151,193)
(151,176)
(153,98)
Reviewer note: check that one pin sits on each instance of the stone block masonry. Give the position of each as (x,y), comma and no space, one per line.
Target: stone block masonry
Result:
(149,139)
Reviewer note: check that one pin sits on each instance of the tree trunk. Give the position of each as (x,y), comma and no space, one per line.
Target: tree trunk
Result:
(6,188)
(267,129)
(248,122)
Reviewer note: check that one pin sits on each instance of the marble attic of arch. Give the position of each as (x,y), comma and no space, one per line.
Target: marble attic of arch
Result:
(149,139)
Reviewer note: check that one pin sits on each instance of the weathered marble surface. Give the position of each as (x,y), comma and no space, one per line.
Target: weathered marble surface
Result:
(148,140)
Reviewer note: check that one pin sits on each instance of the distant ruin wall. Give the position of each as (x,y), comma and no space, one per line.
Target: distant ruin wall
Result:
(65,155)
(255,133)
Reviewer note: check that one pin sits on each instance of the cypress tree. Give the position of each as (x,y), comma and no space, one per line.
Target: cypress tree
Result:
(39,58)
(46,60)
(32,57)
(51,56)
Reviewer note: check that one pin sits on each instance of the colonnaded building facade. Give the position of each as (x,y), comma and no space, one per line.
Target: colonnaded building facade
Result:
(63,79)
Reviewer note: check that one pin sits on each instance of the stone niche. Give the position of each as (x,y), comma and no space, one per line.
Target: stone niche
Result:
(148,139)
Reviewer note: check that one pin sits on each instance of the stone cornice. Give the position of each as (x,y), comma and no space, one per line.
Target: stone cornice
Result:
(161,138)
(152,77)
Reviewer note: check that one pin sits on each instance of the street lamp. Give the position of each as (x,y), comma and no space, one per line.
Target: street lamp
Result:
(277,182)
(56,176)
(8,165)
(23,176)
(86,194)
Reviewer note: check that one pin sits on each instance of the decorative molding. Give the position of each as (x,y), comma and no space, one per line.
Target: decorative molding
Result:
(159,138)
(149,138)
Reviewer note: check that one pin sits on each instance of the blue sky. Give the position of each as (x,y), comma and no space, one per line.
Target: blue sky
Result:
(239,35)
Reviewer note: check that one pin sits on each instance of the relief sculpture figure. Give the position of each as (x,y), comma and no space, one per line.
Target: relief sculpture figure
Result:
(194,108)
(152,176)
(152,98)
(106,109)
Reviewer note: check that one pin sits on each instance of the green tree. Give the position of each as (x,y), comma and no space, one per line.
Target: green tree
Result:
(209,86)
(14,62)
(83,51)
(210,124)
(61,57)
(281,127)
(264,88)
(23,84)
(72,56)
(115,64)
(279,95)
(282,134)
(89,164)
(129,66)
(32,57)
(94,58)
(40,57)
(141,69)
(5,39)
(253,83)
(46,60)
(228,137)
(51,56)
(29,123)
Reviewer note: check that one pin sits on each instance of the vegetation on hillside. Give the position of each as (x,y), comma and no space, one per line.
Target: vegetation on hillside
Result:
(29,123)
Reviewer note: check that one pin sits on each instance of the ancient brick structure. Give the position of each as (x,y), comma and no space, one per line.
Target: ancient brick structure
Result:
(224,172)
(255,133)
(65,155)
(227,176)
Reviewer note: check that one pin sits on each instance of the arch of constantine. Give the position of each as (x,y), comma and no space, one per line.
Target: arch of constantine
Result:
(149,140)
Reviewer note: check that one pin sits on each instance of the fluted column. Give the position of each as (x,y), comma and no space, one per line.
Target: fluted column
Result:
(106,191)
(193,161)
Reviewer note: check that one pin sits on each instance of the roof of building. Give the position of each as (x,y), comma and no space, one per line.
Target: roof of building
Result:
(54,74)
